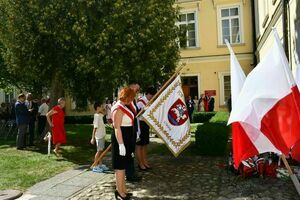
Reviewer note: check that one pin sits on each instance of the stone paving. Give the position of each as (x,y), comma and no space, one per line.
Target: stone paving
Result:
(193,178)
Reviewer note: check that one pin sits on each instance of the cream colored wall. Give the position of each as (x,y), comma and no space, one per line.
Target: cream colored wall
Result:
(209,72)
(208,27)
(266,38)
(210,59)
(72,112)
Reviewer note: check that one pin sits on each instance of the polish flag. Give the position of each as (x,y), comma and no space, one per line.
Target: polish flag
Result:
(266,114)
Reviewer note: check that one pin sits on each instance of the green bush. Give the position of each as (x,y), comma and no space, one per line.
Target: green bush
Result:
(211,139)
(220,117)
(84,119)
(201,117)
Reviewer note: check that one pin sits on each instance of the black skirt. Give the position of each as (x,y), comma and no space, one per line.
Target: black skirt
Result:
(120,162)
(145,134)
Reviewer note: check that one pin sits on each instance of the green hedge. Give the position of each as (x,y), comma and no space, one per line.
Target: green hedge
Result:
(84,119)
(220,117)
(201,117)
(211,139)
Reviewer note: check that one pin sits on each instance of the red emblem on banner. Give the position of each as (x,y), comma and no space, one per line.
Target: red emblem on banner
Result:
(178,113)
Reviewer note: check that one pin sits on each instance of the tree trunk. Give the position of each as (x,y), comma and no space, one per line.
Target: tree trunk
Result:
(57,90)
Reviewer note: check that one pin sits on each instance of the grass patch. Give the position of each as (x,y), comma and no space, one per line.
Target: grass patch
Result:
(22,169)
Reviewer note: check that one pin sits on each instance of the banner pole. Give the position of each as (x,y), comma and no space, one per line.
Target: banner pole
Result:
(162,89)
(102,155)
(292,175)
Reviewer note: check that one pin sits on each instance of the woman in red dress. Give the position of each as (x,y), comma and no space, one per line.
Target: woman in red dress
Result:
(56,120)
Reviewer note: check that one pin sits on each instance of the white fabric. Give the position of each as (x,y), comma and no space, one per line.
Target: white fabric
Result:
(126,120)
(122,150)
(140,104)
(270,81)
(99,125)
(298,75)
(238,77)
(43,109)
(175,137)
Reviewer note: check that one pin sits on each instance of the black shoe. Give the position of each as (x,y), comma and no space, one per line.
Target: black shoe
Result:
(134,179)
(117,195)
(20,148)
(129,194)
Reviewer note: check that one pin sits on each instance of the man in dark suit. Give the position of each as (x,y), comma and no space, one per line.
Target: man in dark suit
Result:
(22,120)
(33,109)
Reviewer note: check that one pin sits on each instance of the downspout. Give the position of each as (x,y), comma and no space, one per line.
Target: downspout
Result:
(285,31)
(253,33)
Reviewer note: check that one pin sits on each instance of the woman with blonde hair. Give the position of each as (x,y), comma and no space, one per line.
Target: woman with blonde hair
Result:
(123,140)
(56,120)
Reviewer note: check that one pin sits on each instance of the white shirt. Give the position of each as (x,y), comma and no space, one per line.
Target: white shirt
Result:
(142,102)
(43,109)
(128,116)
(99,125)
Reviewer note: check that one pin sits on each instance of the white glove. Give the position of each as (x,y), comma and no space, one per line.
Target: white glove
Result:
(122,150)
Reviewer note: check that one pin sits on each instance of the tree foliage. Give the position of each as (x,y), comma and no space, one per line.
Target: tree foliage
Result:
(86,47)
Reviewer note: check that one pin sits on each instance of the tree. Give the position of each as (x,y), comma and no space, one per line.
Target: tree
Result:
(87,47)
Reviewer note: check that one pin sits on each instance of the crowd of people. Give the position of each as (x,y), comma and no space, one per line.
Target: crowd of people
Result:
(27,112)
(204,104)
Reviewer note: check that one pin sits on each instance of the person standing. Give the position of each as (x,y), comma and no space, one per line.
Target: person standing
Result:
(141,148)
(201,103)
(33,107)
(22,120)
(196,102)
(42,112)
(123,140)
(56,120)
(108,111)
(131,174)
(190,107)
(211,104)
(98,137)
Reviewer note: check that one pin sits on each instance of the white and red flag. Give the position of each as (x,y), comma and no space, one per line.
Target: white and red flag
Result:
(266,113)
(168,116)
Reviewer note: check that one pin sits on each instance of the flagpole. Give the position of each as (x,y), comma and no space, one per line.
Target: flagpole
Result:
(292,175)
(162,89)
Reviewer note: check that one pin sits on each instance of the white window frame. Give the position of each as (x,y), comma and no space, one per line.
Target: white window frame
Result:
(219,21)
(222,90)
(195,11)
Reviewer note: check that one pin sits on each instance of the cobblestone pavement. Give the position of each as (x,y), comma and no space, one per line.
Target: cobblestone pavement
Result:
(193,178)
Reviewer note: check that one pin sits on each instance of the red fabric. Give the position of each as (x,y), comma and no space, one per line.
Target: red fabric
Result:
(143,102)
(205,102)
(58,129)
(295,152)
(243,148)
(282,123)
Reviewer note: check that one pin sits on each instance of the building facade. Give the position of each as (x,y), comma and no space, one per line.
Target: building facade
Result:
(208,23)
(284,15)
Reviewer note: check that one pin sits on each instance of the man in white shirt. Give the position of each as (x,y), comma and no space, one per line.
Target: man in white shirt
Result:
(43,110)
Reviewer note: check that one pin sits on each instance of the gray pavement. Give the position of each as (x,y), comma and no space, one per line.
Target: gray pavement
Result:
(63,185)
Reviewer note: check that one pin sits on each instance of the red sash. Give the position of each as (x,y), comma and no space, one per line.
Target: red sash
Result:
(124,109)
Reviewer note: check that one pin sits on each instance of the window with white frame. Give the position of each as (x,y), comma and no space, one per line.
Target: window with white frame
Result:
(225,87)
(187,22)
(230,24)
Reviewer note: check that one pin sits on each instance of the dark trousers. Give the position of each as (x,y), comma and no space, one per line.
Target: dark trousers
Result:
(130,170)
(41,124)
(31,132)
(21,143)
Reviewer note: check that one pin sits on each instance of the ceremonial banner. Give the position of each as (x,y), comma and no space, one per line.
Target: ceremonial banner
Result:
(168,116)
